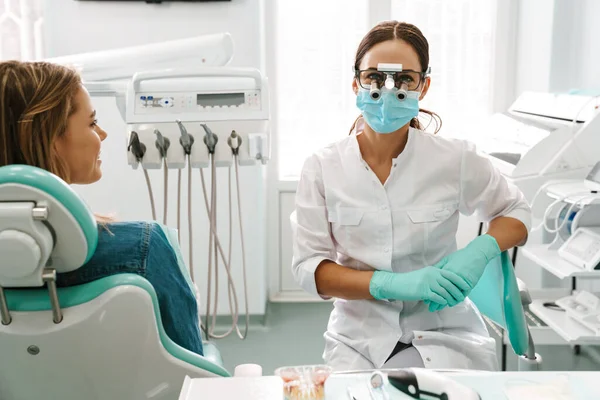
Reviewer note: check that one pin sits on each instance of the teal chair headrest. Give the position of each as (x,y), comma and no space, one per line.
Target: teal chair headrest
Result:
(24,176)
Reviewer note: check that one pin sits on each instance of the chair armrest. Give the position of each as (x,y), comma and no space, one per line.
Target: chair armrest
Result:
(524,292)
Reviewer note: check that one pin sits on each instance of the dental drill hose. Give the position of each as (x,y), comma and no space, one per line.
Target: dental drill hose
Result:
(179,205)
(150,194)
(190,238)
(138,149)
(239,201)
(165,190)
(211,140)
(186,141)
(234,312)
(162,144)
(235,141)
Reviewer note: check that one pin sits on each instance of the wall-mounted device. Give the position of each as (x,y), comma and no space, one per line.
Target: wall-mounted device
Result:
(582,248)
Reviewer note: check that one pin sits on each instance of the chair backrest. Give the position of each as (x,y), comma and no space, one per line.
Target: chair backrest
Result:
(497,296)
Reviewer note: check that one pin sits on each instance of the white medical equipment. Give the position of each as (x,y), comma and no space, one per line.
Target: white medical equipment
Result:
(208,117)
(583,307)
(570,249)
(120,64)
(542,137)
(582,248)
(592,181)
(103,339)
(579,210)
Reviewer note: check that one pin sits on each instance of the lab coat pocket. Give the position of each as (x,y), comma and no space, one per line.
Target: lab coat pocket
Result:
(432,226)
(345,222)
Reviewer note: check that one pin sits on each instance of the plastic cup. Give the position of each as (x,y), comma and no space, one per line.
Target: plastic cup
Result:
(304,382)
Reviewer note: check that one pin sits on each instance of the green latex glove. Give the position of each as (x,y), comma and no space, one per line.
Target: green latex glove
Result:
(469,263)
(429,283)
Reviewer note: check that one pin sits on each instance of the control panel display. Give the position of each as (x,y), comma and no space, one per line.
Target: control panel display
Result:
(147,103)
(220,99)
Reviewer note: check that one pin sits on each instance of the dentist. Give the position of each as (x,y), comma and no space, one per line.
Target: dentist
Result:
(376,219)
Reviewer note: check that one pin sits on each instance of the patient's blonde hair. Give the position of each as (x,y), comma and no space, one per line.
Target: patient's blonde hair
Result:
(36,101)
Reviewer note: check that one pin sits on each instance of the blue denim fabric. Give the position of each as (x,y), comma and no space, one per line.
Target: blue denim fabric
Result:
(142,248)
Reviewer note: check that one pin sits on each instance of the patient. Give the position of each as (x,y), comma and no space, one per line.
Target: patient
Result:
(47,121)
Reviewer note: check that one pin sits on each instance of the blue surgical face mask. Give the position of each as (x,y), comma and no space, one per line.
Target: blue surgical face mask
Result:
(387,114)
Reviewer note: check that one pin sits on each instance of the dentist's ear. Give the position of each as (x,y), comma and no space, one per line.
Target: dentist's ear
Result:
(426,84)
(354,86)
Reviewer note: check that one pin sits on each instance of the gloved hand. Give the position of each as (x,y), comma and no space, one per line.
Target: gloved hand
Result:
(469,263)
(429,283)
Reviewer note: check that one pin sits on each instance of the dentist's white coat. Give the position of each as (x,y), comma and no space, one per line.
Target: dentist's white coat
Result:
(344,214)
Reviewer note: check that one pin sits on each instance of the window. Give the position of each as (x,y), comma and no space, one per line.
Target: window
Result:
(314,53)
(21,29)
(461,55)
(315,45)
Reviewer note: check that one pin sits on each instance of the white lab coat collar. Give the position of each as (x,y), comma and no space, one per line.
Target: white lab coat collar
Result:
(359,128)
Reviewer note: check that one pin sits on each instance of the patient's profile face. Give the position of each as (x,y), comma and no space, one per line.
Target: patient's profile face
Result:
(80,146)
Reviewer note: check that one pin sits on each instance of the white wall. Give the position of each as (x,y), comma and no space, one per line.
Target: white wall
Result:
(74,27)
(586,66)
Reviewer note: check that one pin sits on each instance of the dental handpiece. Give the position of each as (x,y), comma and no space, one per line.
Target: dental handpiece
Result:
(210,139)
(186,140)
(162,143)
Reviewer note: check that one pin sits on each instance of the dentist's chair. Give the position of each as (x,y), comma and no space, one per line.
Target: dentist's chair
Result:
(101,340)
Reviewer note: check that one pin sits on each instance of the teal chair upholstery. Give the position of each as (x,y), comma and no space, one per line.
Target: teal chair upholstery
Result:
(500,296)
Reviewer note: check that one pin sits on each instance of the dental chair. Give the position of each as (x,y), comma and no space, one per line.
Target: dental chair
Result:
(100,340)
(500,296)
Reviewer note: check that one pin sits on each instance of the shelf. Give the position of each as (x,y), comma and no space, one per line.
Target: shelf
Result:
(560,190)
(570,330)
(553,263)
